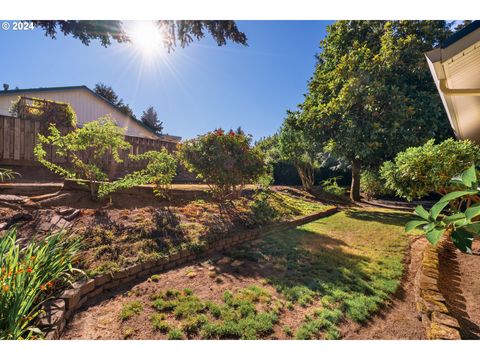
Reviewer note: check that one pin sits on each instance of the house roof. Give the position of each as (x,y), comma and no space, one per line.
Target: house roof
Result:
(455,68)
(164,137)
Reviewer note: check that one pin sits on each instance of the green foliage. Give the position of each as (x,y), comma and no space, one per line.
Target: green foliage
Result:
(419,171)
(331,186)
(372,185)
(46,112)
(130,309)
(150,118)
(110,95)
(85,149)
(181,31)
(462,219)
(295,145)
(175,334)
(224,161)
(160,170)
(371,94)
(262,211)
(29,273)
(7,174)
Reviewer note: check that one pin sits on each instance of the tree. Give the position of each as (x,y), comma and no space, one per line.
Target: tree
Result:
(150,118)
(106,31)
(372,95)
(225,161)
(109,94)
(85,149)
(296,147)
(419,171)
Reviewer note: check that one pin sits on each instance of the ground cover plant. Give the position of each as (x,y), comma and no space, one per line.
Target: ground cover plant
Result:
(29,273)
(118,238)
(305,283)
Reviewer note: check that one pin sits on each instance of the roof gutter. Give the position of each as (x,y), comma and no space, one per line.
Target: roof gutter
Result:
(457,92)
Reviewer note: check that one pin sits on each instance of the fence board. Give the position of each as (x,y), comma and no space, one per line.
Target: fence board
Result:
(18,138)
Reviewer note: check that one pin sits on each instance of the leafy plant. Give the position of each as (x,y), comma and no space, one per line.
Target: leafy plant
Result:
(331,186)
(85,148)
(372,185)
(7,174)
(29,273)
(419,171)
(462,218)
(130,309)
(225,161)
(160,170)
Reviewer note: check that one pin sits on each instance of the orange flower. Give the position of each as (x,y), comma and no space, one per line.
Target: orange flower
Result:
(29,270)
(50,284)
(5,288)
(32,258)
(19,271)
(43,287)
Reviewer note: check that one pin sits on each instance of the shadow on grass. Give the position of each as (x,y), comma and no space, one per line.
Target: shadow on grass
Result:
(384,217)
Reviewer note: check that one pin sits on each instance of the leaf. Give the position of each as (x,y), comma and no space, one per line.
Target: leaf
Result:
(434,235)
(456,194)
(414,224)
(457,219)
(473,228)
(463,240)
(437,209)
(472,211)
(469,177)
(420,211)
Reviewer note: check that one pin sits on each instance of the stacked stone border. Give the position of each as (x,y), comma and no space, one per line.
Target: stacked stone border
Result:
(430,303)
(58,311)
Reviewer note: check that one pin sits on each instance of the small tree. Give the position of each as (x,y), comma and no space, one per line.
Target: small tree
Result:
(85,148)
(160,170)
(109,94)
(296,147)
(224,161)
(150,118)
(419,171)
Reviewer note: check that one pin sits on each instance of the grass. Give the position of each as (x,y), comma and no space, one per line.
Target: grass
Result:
(130,309)
(349,264)
(238,317)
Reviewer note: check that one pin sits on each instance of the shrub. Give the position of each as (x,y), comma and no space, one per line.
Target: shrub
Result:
(28,275)
(462,219)
(224,161)
(331,186)
(175,334)
(160,170)
(419,171)
(85,149)
(371,184)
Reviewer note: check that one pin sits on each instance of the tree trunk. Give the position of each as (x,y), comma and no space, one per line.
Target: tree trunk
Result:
(355,188)
(306,173)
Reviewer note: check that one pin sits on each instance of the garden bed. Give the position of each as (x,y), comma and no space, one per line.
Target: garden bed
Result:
(301,283)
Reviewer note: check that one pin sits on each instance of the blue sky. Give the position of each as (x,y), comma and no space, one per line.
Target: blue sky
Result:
(195,89)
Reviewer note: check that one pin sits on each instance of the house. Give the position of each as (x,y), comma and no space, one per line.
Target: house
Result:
(87,105)
(455,67)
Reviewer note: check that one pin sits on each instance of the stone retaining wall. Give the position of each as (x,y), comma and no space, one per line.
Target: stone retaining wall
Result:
(430,302)
(60,310)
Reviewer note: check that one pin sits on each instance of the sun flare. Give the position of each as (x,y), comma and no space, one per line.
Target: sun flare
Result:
(147,38)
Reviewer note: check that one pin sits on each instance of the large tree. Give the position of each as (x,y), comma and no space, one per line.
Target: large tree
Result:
(182,31)
(372,94)
(109,94)
(150,118)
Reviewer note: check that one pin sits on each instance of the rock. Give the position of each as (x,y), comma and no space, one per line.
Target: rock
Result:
(224,260)
(45,226)
(65,211)
(438,331)
(62,223)
(72,216)
(237,263)
(445,320)
(55,219)
(3,225)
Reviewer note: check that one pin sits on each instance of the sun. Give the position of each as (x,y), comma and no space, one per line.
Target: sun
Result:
(147,38)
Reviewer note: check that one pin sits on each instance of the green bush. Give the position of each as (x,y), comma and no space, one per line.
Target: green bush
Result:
(160,170)
(331,186)
(371,184)
(419,171)
(223,160)
(28,275)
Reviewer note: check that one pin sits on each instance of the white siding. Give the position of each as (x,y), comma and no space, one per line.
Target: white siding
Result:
(86,105)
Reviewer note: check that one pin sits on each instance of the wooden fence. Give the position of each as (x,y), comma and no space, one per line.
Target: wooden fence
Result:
(18,138)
